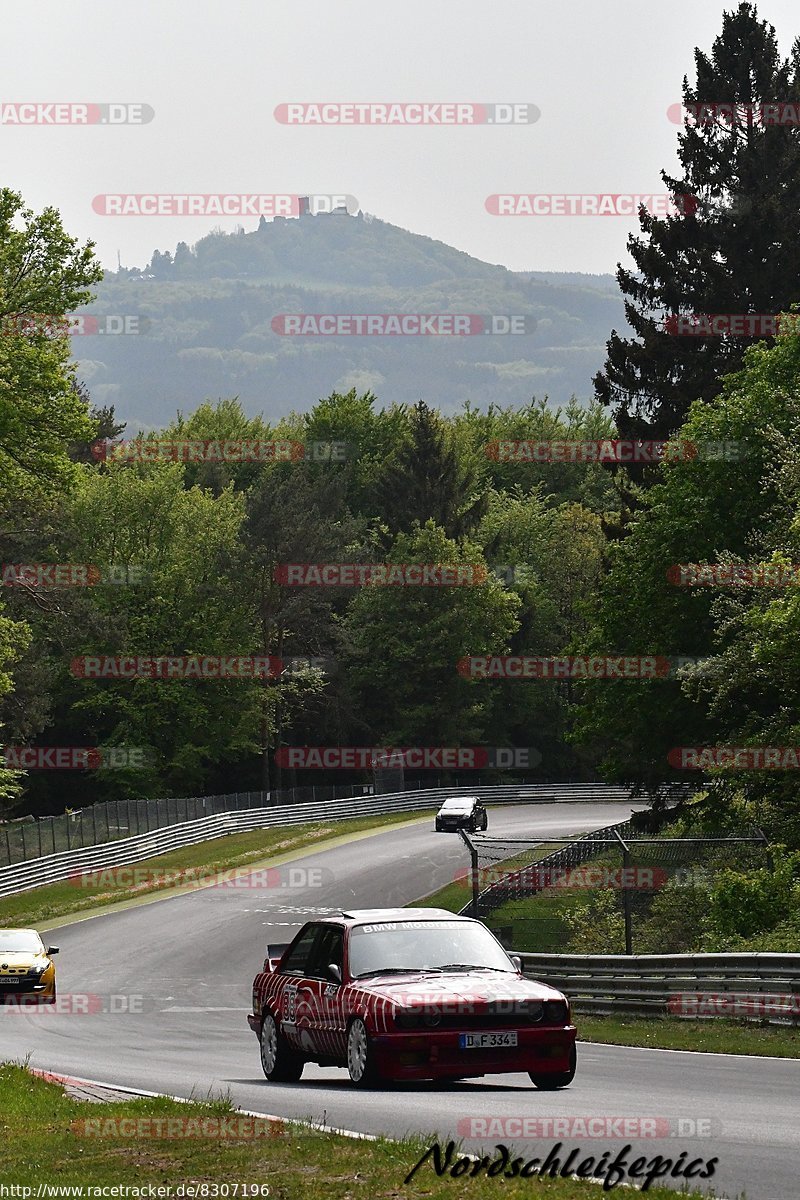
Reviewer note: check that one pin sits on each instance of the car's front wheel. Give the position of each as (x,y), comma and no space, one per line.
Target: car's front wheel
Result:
(360,1055)
(549,1083)
(279,1062)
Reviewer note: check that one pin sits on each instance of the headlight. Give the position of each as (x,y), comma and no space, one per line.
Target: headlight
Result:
(556,1012)
(411,1018)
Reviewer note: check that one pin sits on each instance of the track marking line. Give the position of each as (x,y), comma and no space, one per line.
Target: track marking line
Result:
(696,1053)
(319,1127)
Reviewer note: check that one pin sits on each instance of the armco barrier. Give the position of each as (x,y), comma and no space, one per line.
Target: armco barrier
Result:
(25,838)
(762,987)
(22,877)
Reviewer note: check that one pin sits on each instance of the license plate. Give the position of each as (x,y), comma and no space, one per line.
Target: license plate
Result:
(486,1041)
(5,980)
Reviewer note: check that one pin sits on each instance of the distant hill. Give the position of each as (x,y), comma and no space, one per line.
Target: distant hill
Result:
(209,310)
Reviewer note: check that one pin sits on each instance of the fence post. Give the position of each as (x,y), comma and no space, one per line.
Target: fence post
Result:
(94,824)
(473,857)
(39,831)
(8,847)
(626,892)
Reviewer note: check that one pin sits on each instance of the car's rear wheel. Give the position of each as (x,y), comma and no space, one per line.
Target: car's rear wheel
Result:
(360,1055)
(279,1062)
(549,1083)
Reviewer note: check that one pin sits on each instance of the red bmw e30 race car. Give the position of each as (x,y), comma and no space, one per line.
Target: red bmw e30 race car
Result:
(411,993)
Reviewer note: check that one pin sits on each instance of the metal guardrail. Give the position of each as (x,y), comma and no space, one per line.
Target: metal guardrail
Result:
(756,986)
(25,838)
(22,877)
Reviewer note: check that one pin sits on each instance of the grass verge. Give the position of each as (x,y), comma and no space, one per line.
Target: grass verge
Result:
(714,1035)
(44,1142)
(260,847)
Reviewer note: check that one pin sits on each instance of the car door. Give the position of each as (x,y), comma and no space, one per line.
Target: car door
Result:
(295,1000)
(327,1018)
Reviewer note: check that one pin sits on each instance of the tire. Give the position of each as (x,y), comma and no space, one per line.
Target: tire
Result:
(549,1083)
(279,1062)
(485,824)
(360,1055)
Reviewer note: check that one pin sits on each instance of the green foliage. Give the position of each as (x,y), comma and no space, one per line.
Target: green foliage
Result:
(403,645)
(744,903)
(732,251)
(676,921)
(597,924)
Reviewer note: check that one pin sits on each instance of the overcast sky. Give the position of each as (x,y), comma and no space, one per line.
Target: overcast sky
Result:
(602,74)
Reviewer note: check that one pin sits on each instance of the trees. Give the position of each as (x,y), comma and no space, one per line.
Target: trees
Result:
(746,690)
(403,644)
(735,251)
(429,477)
(44,275)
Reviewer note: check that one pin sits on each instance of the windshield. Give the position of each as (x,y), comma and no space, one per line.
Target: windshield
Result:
(424,945)
(20,941)
(457,805)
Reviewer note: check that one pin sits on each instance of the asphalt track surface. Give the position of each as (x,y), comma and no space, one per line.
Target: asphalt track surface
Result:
(186,965)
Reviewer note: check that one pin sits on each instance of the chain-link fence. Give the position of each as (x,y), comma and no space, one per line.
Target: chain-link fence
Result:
(29,837)
(616,890)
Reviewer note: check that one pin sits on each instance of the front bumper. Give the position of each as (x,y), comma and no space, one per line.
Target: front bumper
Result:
(435,1055)
(19,986)
(255,1024)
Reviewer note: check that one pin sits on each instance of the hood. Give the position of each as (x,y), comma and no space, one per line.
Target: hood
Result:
(474,986)
(12,961)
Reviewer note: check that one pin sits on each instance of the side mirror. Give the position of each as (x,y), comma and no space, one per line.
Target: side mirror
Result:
(52,950)
(335,972)
(517,961)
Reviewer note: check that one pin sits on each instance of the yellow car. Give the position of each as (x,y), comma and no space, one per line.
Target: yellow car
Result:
(26,968)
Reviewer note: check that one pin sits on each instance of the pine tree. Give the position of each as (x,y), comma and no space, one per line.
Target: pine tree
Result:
(430,477)
(733,249)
